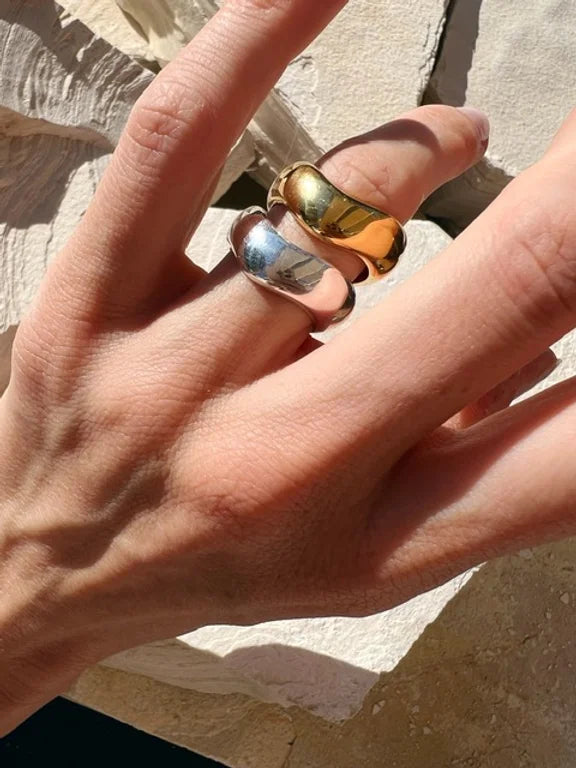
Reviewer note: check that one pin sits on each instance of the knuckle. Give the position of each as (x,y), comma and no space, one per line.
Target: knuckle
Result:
(370,182)
(260,6)
(155,126)
(166,118)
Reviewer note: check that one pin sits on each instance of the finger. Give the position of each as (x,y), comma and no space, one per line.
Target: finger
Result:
(492,302)
(502,395)
(177,139)
(441,143)
(394,166)
(505,484)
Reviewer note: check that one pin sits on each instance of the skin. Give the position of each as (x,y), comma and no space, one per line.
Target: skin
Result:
(175,452)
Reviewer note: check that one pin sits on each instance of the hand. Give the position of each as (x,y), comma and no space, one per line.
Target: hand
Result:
(176,451)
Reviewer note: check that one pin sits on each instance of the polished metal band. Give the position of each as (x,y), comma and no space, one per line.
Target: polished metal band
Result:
(328,213)
(278,265)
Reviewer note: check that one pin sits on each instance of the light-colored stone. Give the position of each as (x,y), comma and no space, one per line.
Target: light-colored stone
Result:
(48,181)
(107,20)
(235,730)
(168,26)
(60,72)
(372,63)
(491,683)
(514,60)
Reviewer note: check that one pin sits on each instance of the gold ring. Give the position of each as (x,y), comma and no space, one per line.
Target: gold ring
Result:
(331,215)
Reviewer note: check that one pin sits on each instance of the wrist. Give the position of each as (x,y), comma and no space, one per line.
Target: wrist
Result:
(39,656)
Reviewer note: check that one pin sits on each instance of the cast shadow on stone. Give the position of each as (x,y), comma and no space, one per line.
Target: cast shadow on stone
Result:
(449,80)
(44,20)
(38,173)
(455,205)
(490,684)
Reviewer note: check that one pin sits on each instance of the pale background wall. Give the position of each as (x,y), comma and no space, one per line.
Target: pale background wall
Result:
(477,673)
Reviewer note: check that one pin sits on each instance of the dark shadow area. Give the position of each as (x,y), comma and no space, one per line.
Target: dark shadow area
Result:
(449,81)
(66,735)
(45,164)
(243,193)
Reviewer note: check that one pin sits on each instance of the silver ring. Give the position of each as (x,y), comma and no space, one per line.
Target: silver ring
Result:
(278,265)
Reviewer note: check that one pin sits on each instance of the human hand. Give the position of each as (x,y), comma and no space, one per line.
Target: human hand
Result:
(177,452)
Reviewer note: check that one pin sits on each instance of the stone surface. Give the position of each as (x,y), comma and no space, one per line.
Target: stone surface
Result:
(235,730)
(72,79)
(491,683)
(514,60)
(168,26)
(108,21)
(372,63)
(6,340)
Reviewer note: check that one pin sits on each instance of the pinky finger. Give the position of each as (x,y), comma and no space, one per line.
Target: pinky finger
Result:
(509,390)
(505,484)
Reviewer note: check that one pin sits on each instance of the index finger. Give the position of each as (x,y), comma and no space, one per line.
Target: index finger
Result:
(178,138)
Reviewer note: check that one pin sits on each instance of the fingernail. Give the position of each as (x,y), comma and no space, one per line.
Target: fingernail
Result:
(480,120)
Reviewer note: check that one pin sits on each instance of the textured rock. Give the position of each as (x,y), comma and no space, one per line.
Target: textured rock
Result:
(372,63)
(6,340)
(491,683)
(73,79)
(47,184)
(515,60)
(235,730)
(168,26)
(107,20)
